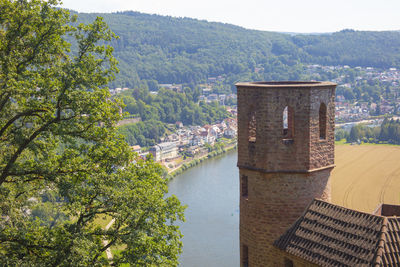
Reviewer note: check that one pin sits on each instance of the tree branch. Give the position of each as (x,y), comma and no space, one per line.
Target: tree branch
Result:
(4,100)
(24,244)
(16,117)
(6,170)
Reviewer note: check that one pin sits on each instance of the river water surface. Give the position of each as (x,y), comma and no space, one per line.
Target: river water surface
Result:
(211,231)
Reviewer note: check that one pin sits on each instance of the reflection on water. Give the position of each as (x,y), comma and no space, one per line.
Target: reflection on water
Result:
(211,231)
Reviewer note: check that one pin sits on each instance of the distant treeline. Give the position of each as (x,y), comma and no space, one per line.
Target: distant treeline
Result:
(388,132)
(155,49)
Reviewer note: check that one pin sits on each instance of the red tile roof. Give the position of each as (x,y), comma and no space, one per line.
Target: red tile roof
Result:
(331,235)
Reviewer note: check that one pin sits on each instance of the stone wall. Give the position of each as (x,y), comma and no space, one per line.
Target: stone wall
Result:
(297,262)
(322,150)
(284,171)
(273,203)
(271,150)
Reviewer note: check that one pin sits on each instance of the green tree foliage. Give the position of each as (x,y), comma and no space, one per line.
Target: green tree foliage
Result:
(353,48)
(165,107)
(387,132)
(390,131)
(362,132)
(62,165)
(146,133)
(341,134)
(184,50)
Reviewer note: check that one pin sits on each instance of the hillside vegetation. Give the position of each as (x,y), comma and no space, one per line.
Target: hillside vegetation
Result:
(167,106)
(163,49)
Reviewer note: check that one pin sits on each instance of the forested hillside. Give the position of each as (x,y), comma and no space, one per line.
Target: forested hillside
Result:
(159,49)
(156,111)
(353,48)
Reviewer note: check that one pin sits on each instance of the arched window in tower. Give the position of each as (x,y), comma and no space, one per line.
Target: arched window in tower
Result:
(252,126)
(288,122)
(322,121)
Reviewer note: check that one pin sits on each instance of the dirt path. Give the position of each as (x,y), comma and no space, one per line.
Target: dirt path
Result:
(105,242)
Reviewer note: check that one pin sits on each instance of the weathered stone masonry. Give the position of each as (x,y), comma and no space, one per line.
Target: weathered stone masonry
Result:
(281,170)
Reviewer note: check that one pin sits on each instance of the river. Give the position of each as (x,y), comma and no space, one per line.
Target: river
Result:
(211,231)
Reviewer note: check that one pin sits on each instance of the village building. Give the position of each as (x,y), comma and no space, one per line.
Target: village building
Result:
(230,132)
(136,149)
(174,87)
(285,159)
(164,151)
(212,97)
(179,124)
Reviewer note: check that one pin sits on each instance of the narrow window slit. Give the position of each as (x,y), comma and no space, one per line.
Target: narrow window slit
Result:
(244,186)
(245,256)
(322,121)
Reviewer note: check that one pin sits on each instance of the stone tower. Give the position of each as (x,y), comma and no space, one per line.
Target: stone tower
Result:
(285,157)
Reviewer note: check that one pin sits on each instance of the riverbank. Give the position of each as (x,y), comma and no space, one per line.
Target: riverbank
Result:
(185,165)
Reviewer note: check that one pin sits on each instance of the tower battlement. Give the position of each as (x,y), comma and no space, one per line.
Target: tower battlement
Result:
(302,144)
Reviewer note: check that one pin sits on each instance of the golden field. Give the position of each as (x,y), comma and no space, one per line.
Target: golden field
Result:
(366,175)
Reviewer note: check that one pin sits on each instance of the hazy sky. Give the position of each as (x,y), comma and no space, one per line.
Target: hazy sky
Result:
(272,15)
